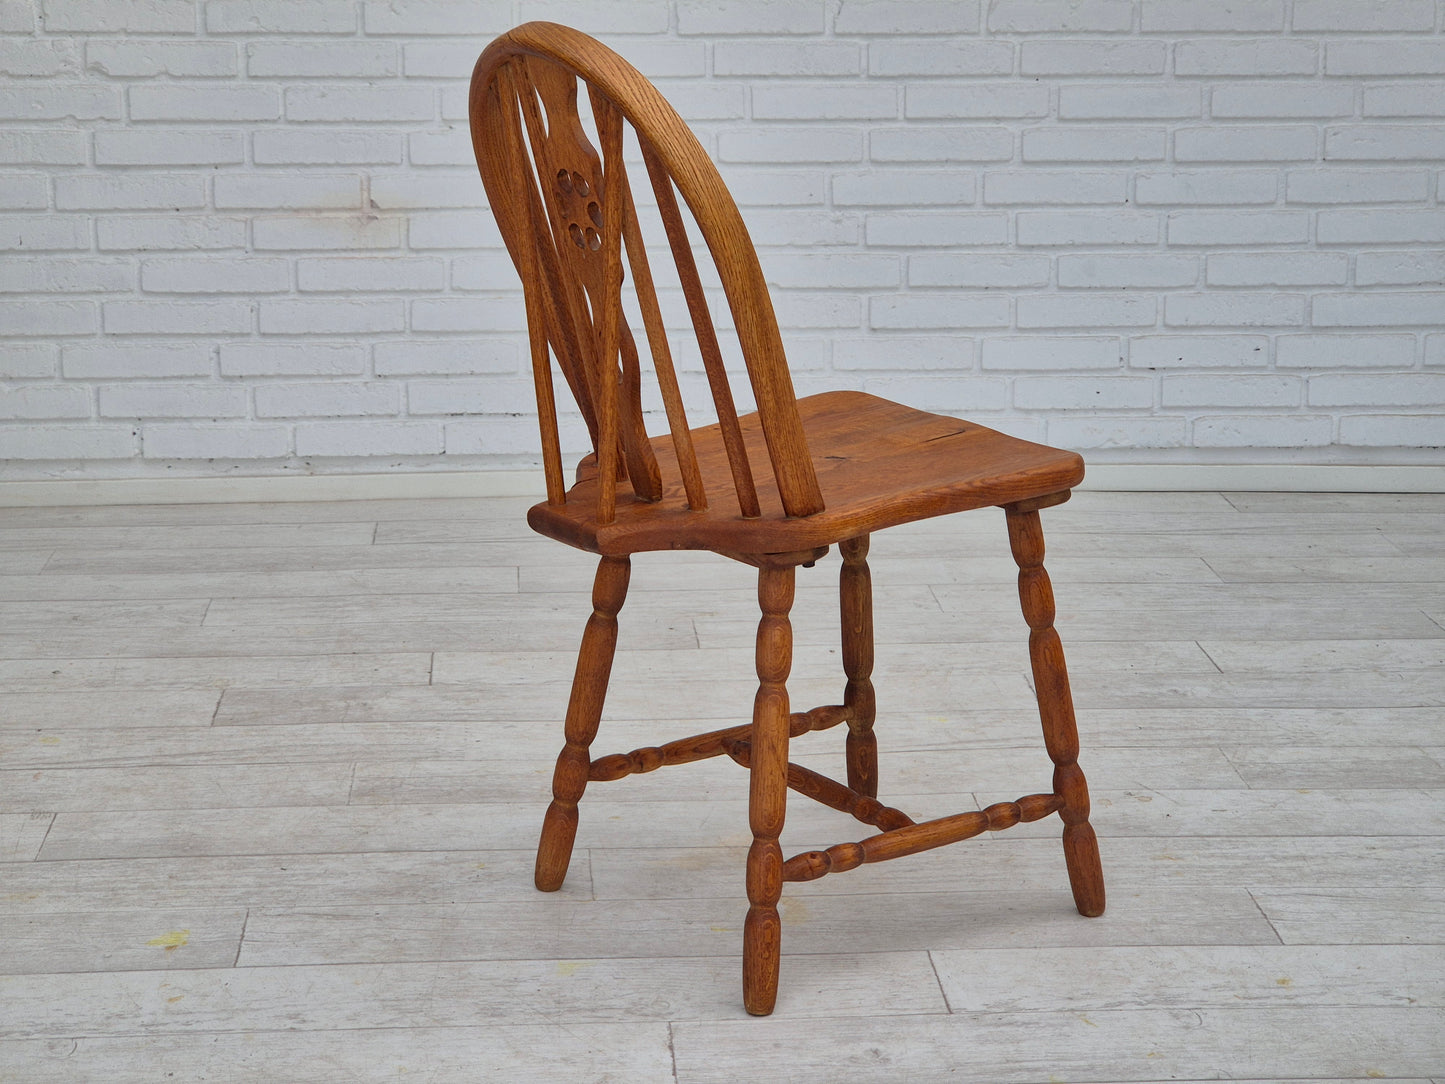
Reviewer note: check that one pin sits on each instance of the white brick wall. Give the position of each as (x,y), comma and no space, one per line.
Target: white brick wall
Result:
(248,235)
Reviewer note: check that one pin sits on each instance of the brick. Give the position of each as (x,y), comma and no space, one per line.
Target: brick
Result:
(769,187)
(280,17)
(1086,228)
(281,147)
(1158,271)
(45,102)
(432,59)
(750,17)
(1364,15)
(670,59)
(1435,349)
(178,317)
(1399,57)
(48,317)
(415,357)
(791,227)
(368,438)
(1231,391)
(910,188)
(331,317)
(1187,16)
(1118,432)
(42,148)
(810,309)
(1405,100)
(1377,309)
(189,103)
(146,400)
(790,145)
(1400,269)
(1054,352)
(129,191)
(1262,431)
(1234,310)
(451,229)
(824,101)
(330,399)
(117,361)
(119,16)
(364,274)
(490,396)
(909,229)
(203,275)
(306,191)
(1345,351)
(1393,430)
(922,311)
(1060,16)
(507,436)
(956,393)
(28,361)
(149,233)
(481,20)
(973,269)
(1214,228)
(169,147)
(1253,56)
(1235,143)
(1385,141)
(1105,101)
(1012,187)
(907,17)
(488,315)
(904,353)
(275,359)
(1198,351)
(359,104)
(39,57)
(67,442)
(44,402)
(17,16)
(1094,144)
(293,233)
(832,271)
(926,101)
(779,58)
(1268,100)
(1339,185)
(605,17)
(1377,389)
(1084,392)
(44,233)
(53,275)
(1277,269)
(1086,310)
(226,442)
(24,192)
(940,58)
(490,271)
(142,58)
(693,100)
(952,144)
(1381,226)
(333,59)
(1212,186)
(1092,57)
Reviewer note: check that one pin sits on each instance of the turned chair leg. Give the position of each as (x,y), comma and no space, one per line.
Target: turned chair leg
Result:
(1056,711)
(584,710)
(768,791)
(855,590)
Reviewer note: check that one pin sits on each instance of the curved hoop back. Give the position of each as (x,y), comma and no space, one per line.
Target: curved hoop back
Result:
(570,223)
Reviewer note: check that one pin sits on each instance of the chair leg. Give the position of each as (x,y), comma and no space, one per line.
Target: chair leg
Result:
(584,710)
(1056,711)
(768,791)
(855,590)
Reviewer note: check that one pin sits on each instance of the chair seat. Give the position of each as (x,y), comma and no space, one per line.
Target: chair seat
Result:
(878,464)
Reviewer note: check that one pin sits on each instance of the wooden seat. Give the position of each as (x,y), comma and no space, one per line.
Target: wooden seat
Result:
(774,488)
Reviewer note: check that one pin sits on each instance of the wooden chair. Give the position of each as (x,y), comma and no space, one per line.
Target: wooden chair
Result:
(773,489)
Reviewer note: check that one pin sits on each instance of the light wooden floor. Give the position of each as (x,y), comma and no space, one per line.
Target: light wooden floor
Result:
(270,777)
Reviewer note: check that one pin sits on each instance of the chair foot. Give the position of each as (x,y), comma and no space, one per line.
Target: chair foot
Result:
(554,850)
(1086,874)
(762,956)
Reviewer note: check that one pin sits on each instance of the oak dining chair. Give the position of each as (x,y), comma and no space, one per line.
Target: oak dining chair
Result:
(772,488)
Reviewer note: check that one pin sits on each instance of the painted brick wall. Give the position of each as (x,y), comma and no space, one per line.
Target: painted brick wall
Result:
(247,236)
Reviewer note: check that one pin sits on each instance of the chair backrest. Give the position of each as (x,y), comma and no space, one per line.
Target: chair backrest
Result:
(569,220)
